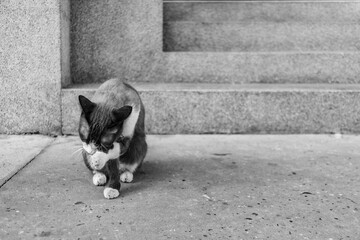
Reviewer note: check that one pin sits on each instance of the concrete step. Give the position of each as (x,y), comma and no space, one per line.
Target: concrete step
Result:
(286,67)
(261,26)
(235,67)
(235,108)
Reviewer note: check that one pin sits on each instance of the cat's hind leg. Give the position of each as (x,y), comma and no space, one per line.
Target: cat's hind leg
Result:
(133,157)
(99,178)
(127,172)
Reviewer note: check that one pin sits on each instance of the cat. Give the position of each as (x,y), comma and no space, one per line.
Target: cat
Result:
(112,130)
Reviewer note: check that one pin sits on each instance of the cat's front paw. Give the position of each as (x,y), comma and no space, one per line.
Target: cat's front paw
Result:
(126,177)
(99,179)
(111,193)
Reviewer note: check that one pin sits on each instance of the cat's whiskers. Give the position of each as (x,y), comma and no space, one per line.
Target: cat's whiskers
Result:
(77,151)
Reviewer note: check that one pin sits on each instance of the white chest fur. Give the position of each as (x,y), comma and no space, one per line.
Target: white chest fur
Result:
(130,123)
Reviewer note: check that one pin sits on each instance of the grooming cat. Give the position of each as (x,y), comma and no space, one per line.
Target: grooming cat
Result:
(112,131)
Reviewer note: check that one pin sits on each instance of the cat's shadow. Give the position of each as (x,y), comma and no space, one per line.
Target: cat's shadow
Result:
(177,173)
(150,175)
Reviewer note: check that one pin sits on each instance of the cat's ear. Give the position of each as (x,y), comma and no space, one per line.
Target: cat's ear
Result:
(86,105)
(121,114)
(83,128)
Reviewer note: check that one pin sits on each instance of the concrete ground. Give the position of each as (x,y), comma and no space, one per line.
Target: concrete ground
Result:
(193,187)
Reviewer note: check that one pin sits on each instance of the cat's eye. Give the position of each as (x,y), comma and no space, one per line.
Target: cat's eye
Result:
(108,139)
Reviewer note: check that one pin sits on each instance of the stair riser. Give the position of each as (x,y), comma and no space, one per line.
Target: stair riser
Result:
(261,27)
(205,67)
(260,37)
(260,68)
(199,112)
(271,11)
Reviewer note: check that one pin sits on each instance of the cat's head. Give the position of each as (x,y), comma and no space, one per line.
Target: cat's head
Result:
(100,126)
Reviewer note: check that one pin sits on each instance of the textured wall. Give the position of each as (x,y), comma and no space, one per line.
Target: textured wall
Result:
(30,72)
(65,42)
(115,38)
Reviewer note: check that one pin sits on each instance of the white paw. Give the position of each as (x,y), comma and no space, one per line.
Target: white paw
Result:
(99,179)
(126,177)
(110,193)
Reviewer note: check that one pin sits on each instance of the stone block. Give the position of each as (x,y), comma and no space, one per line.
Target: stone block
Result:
(30,69)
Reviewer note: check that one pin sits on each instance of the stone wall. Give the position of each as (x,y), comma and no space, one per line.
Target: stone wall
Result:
(30,66)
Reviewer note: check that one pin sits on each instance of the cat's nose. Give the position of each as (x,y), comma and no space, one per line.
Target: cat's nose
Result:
(92,152)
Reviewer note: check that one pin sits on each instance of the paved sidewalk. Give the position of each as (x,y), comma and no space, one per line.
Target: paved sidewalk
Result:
(17,151)
(194,187)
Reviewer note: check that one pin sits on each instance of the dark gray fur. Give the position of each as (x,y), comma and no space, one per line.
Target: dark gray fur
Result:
(106,110)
